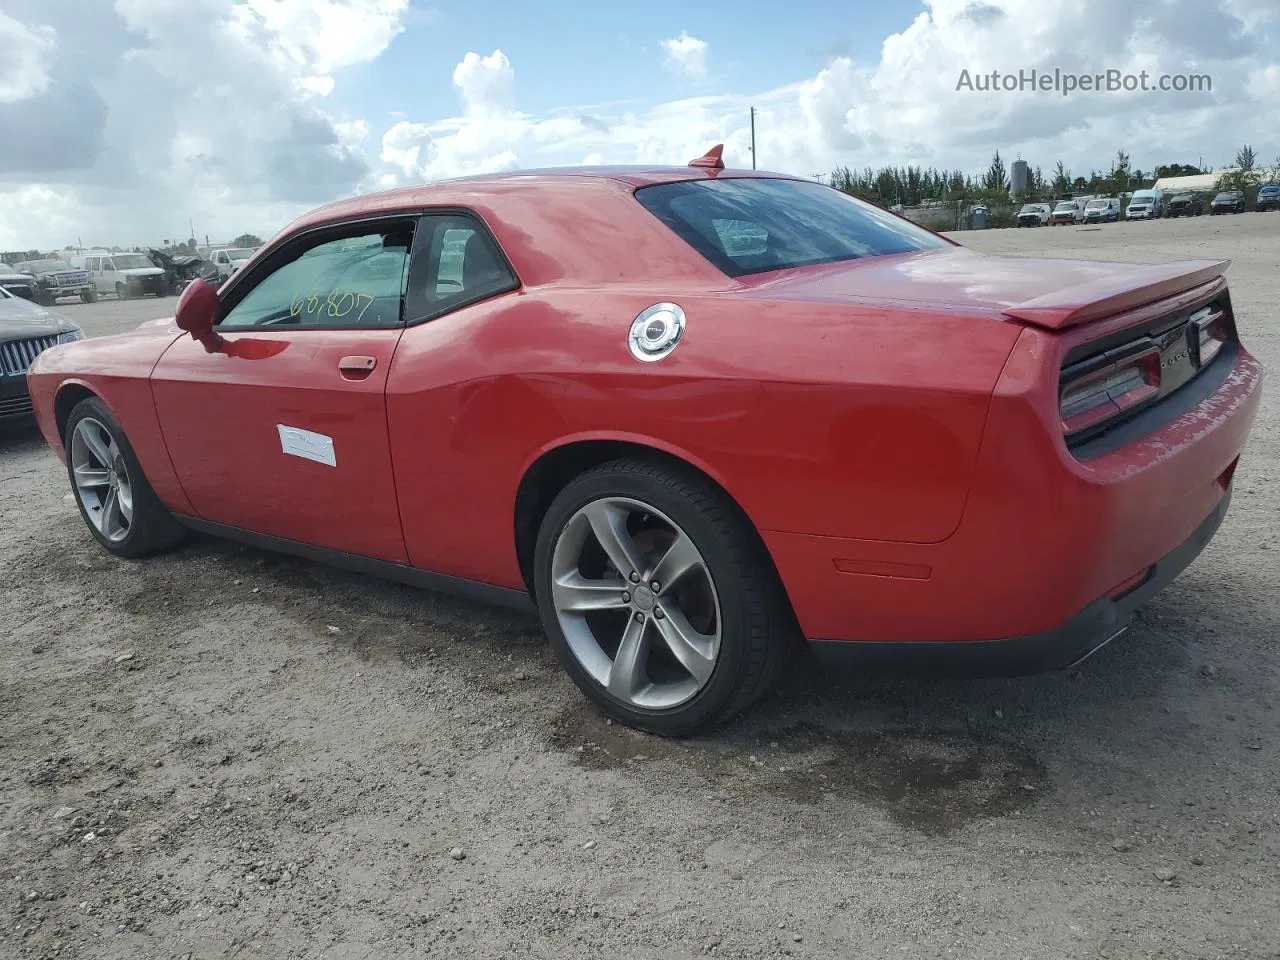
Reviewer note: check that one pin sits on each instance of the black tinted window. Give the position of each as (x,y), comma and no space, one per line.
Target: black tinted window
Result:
(753,225)
(462,265)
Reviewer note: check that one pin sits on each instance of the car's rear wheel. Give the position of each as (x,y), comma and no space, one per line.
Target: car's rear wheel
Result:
(659,598)
(117,503)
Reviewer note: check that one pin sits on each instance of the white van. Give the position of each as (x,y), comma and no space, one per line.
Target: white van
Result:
(124,274)
(1102,210)
(1067,212)
(1145,205)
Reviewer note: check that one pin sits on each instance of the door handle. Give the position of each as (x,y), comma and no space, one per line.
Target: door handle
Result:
(356,368)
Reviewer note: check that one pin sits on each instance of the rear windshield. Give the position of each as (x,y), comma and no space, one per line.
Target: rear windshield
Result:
(746,226)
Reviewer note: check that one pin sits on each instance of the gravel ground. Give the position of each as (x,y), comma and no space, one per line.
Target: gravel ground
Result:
(226,753)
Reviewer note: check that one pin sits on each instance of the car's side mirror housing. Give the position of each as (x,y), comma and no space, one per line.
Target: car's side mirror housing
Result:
(197,311)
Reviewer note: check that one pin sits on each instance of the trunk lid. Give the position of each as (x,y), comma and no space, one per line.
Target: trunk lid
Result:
(1054,294)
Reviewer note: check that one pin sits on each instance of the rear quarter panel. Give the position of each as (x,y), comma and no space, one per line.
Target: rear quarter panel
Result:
(824,419)
(117,370)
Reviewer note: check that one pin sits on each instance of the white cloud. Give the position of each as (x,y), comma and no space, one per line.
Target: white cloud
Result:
(320,36)
(484,82)
(25,53)
(687,55)
(480,141)
(319,84)
(170,110)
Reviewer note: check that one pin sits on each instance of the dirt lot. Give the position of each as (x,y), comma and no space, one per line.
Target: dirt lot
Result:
(224,753)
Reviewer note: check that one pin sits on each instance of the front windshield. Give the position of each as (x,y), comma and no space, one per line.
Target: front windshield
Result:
(240,254)
(1142,196)
(130,261)
(1066,206)
(1031,208)
(1097,204)
(1225,196)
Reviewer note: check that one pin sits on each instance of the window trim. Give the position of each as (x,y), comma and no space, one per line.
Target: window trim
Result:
(240,284)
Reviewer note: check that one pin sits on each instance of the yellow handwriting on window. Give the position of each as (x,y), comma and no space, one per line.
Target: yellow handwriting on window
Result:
(316,306)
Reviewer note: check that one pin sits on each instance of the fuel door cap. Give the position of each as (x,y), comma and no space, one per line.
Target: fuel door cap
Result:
(656,332)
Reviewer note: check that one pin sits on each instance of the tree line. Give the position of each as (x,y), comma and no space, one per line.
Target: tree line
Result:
(914,186)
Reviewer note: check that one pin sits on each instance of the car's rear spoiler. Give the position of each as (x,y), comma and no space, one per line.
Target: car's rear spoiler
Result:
(1086,302)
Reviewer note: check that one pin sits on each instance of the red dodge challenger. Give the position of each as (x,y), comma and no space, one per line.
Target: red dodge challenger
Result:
(690,414)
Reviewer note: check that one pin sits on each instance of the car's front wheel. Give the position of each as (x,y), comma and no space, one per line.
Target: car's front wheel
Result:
(117,503)
(89,295)
(658,597)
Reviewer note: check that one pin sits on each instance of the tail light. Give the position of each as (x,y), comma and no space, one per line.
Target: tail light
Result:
(1103,388)
(1211,331)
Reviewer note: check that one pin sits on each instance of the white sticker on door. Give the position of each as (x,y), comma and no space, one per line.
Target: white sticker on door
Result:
(310,446)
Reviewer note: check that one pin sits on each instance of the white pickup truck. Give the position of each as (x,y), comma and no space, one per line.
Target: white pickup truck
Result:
(230,259)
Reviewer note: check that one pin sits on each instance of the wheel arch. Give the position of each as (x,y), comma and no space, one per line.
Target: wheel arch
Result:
(547,473)
(65,399)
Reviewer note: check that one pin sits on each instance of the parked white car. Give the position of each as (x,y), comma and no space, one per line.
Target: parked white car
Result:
(230,259)
(124,274)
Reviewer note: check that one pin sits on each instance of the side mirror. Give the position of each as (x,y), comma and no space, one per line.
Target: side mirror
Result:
(197,310)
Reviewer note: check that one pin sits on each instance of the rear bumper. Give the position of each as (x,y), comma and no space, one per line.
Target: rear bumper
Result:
(1056,649)
(1043,535)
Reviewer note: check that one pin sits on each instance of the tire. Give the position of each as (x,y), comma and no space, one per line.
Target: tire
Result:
(735,581)
(46,299)
(89,296)
(151,527)
(122,291)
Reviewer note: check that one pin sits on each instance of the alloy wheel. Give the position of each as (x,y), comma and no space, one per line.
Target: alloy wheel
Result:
(101,479)
(636,603)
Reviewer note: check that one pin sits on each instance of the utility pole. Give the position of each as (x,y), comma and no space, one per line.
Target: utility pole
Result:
(753,138)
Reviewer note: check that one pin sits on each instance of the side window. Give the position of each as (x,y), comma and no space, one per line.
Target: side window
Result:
(463,264)
(107,265)
(91,263)
(356,279)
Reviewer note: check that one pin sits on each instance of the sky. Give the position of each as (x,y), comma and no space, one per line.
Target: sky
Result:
(136,121)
